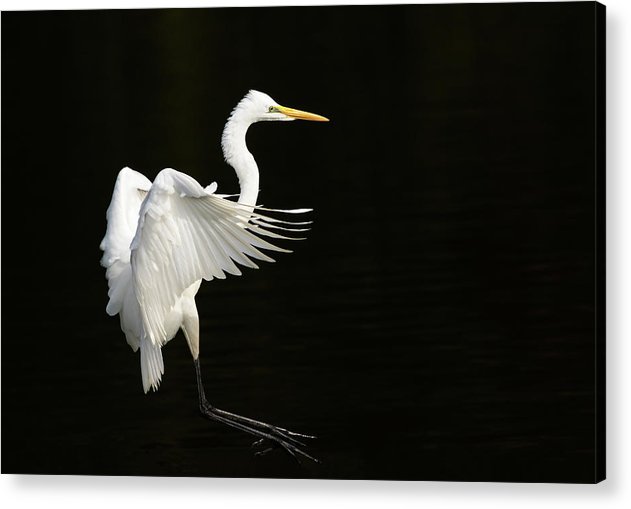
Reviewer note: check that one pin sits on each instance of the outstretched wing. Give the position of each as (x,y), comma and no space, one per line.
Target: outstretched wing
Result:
(186,233)
(122,221)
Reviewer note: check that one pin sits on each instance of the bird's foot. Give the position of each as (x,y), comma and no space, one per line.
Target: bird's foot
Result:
(266,433)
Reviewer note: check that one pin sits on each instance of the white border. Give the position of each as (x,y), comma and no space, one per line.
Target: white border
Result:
(70,492)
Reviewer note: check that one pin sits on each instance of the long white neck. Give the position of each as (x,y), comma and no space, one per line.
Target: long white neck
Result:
(239,157)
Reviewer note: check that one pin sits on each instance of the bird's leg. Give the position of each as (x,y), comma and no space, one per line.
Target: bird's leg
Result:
(264,431)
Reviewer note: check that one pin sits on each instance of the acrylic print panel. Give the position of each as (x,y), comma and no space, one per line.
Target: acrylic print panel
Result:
(444,318)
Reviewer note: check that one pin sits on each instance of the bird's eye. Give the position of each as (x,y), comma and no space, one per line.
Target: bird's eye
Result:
(271,109)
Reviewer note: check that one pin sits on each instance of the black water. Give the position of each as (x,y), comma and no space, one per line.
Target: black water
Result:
(438,323)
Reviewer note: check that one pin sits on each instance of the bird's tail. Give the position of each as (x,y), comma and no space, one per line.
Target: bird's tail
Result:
(151,364)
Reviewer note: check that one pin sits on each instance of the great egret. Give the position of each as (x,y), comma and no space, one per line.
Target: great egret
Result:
(163,238)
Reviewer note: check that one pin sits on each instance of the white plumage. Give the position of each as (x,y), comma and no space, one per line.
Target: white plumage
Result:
(163,238)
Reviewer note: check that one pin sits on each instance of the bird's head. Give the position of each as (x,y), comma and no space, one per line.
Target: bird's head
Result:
(261,107)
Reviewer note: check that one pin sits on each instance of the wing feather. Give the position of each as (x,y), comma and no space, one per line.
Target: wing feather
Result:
(186,233)
(122,215)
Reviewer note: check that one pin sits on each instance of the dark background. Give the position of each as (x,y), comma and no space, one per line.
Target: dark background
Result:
(439,323)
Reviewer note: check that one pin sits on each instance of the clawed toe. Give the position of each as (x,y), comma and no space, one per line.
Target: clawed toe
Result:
(263,452)
(271,445)
(258,442)
(275,436)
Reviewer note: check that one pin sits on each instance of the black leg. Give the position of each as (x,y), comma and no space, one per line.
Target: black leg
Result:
(265,432)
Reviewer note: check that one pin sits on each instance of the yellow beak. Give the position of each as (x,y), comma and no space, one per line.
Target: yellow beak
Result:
(302,115)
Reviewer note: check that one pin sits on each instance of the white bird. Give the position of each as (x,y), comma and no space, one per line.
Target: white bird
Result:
(163,238)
